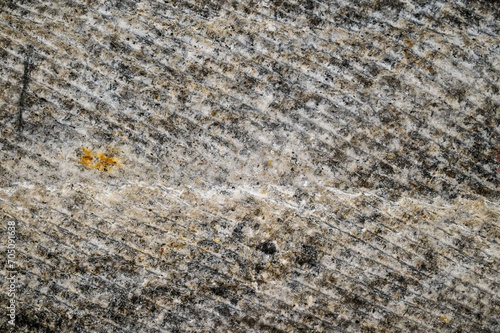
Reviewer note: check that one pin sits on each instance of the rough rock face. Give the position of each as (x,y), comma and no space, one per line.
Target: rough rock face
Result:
(251,166)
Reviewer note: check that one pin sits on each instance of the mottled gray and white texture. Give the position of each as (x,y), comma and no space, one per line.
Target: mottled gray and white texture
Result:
(251,166)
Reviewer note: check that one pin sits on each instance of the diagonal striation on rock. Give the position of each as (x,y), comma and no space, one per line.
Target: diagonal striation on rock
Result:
(250,166)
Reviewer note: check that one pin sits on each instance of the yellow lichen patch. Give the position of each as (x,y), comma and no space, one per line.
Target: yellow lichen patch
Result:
(444,319)
(97,161)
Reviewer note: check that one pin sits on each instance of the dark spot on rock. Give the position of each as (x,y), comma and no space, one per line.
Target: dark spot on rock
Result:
(354,300)
(308,256)
(238,231)
(258,268)
(220,290)
(267,247)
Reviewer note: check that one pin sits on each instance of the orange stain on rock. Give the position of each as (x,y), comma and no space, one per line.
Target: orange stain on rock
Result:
(97,161)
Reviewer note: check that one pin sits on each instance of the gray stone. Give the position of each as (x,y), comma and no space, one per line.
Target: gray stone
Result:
(255,166)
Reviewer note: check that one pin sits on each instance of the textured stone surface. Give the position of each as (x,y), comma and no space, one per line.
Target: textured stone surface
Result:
(255,166)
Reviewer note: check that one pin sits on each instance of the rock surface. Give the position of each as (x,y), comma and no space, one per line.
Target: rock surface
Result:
(251,166)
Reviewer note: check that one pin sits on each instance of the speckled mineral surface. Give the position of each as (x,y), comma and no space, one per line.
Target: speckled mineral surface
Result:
(250,166)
